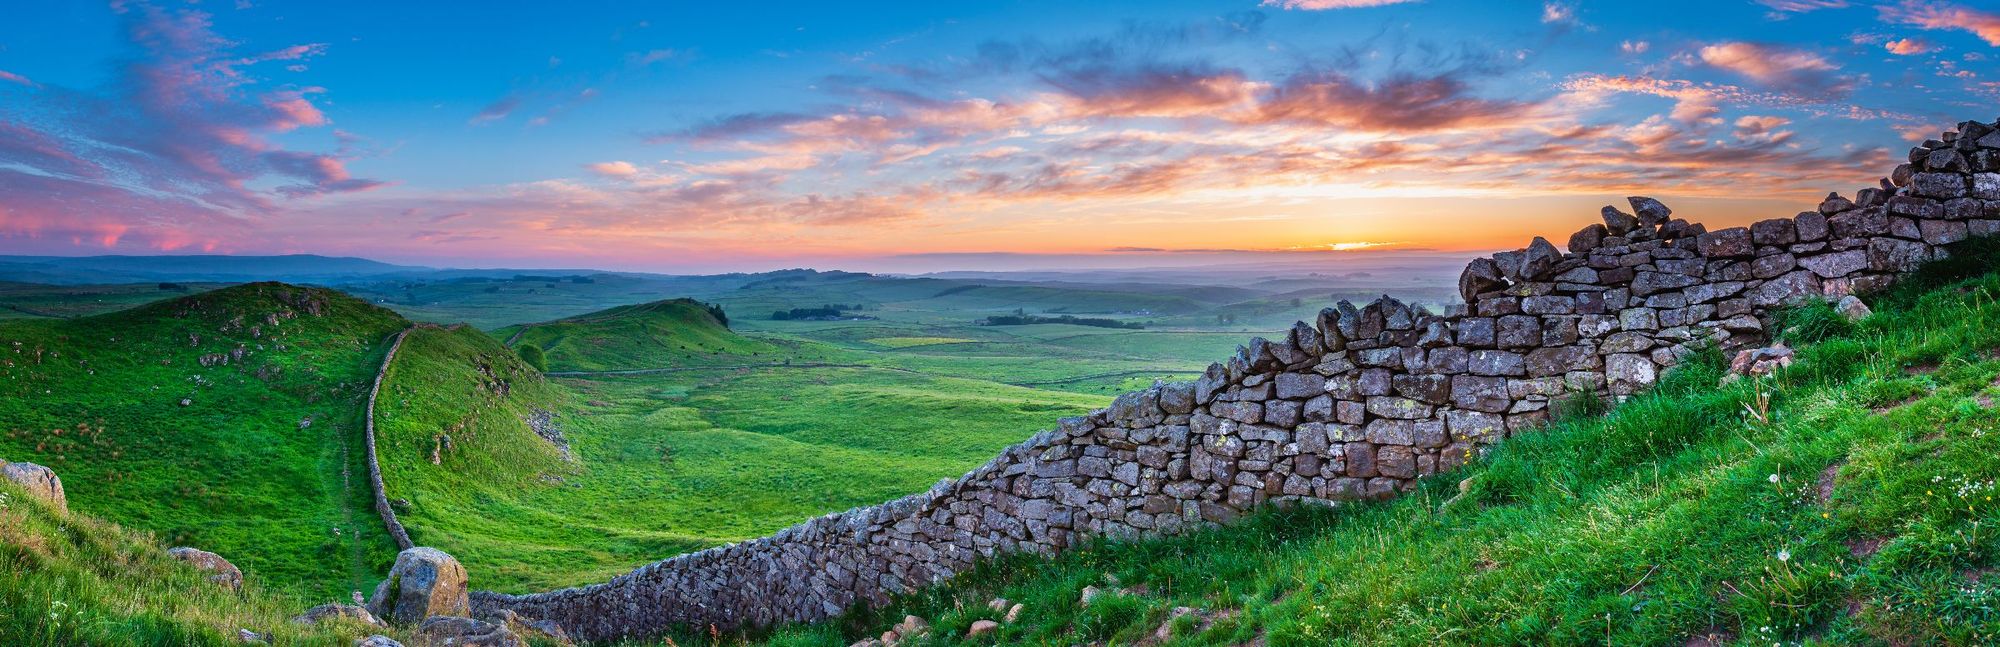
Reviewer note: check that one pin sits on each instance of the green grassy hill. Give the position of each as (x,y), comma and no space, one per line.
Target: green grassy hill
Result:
(678,332)
(1848,500)
(77,580)
(227,420)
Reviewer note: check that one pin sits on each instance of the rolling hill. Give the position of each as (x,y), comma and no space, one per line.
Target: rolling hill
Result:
(659,464)
(227,421)
(677,332)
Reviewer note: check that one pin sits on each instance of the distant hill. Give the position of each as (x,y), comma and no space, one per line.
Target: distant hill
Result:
(296,268)
(661,334)
(227,420)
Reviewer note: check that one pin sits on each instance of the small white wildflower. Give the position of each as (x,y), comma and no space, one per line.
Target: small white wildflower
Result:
(1774,477)
(1784,555)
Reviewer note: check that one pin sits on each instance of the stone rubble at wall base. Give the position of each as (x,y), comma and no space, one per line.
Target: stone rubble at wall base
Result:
(1358,405)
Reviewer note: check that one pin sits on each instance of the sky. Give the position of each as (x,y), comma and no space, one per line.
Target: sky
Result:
(695,137)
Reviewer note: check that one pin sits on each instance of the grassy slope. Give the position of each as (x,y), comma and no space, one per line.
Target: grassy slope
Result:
(234,471)
(678,332)
(458,386)
(662,467)
(1679,514)
(76,580)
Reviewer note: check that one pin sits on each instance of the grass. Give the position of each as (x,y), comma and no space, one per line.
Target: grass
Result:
(664,464)
(76,580)
(254,456)
(1848,500)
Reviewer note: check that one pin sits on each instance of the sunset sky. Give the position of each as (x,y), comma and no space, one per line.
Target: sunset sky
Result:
(689,137)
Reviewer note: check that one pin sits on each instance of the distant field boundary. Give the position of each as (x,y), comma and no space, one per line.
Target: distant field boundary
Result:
(1098,376)
(726,367)
(389,520)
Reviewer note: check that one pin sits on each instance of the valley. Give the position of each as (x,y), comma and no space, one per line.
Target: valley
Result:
(681,433)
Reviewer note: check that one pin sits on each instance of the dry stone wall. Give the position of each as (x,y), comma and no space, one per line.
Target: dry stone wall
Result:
(1356,405)
(382,507)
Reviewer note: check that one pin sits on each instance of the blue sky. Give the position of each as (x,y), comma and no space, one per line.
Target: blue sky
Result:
(690,136)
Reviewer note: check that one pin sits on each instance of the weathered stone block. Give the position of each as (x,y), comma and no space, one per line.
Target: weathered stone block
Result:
(1496,363)
(1943,232)
(1776,231)
(1939,185)
(1837,264)
(1559,360)
(1475,426)
(1395,461)
(1519,331)
(1734,241)
(1398,408)
(1479,393)
(1629,373)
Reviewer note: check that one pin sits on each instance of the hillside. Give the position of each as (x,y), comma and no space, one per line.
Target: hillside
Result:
(654,472)
(1847,500)
(227,421)
(72,579)
(678,332)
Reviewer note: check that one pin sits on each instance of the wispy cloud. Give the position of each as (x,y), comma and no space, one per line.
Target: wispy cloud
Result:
(1320,5)
(172,152)
(1946,16)
(1778,67)
(11,77)
(496,111)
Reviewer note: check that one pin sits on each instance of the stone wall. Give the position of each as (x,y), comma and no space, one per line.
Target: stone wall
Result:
(1357,405)
(382,507)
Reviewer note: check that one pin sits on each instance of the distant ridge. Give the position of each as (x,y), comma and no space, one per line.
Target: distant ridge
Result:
(296,268)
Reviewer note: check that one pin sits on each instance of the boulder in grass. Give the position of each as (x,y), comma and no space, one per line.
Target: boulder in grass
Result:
(1853,308)
(220,570)
(425,582)
(326,612)
(377,640)
(39,481)
(1757,362)
(465,632)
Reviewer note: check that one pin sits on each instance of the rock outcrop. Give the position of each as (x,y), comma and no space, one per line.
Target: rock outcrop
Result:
(424,582)
(220,571)
(1359,404)
(38,481)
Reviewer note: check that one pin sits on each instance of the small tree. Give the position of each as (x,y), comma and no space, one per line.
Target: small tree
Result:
(532,355)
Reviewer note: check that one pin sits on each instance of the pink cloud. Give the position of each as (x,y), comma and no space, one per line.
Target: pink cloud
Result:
(1777,67)
(613,169)
(176,143)
(1402,103)
(16,78)
(1946,16)
(1908,46)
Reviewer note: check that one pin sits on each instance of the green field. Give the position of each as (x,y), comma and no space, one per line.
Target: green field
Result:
(664,463)
(1849,500)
